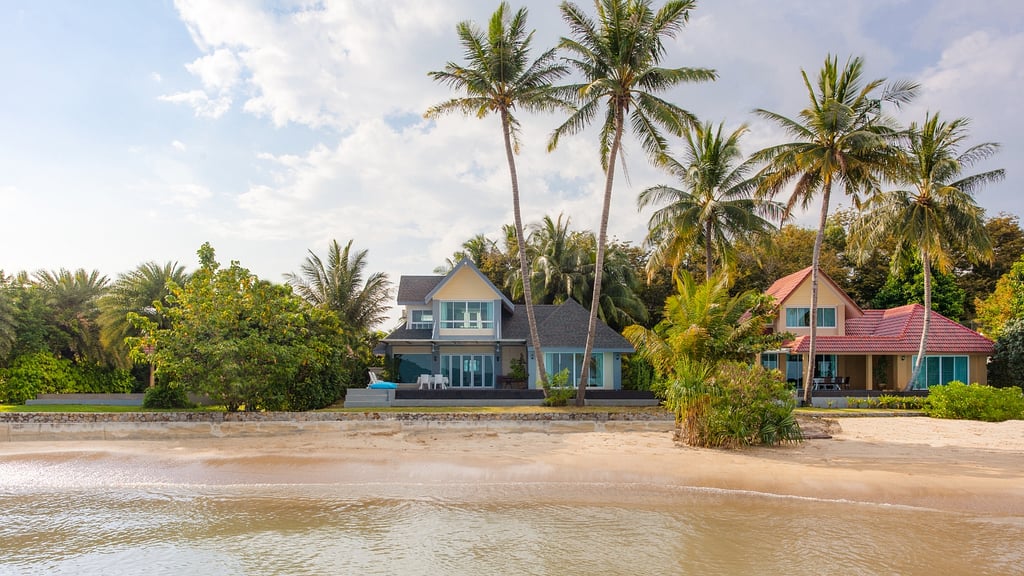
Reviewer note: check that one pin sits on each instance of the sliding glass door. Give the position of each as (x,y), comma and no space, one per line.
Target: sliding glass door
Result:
(468,370)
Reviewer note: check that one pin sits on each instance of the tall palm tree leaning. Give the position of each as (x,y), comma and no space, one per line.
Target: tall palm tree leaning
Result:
(618,57)
(937,216)
(499,77)
(842,138)
(339,287)
(717,206)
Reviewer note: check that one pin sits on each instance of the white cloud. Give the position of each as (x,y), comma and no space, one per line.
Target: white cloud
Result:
(201,104)
(156,77)
(218,71)
(178,145)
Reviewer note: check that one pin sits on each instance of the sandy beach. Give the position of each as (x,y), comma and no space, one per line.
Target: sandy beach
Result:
(957,466)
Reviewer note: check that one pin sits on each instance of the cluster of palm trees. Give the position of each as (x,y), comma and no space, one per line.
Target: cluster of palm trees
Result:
(844,139)
(84,317)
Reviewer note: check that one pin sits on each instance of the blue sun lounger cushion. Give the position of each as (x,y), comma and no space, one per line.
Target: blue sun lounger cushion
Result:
(383,385)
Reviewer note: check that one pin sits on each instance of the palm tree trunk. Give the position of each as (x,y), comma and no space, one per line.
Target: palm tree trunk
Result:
(923,347)
(602,235)
(815,265)
(524,267)
(707,250)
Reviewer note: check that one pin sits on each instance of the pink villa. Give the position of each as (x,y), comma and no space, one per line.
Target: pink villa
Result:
(869,349)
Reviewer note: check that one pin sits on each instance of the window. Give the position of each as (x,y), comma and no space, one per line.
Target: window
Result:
(468,370)
(422,320)
(801,317)
(412,365)
(770,361)
(467,315)
(555,362)
(938,370)
(825,366)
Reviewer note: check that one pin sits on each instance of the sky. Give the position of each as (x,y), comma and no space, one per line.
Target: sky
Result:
(135,131)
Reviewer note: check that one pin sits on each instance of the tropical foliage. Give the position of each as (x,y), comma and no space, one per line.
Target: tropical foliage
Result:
(499,78)
(244,342)
(973,402)
(842,138)
(618,56)
(715,207)
(1006,367)
(937,216)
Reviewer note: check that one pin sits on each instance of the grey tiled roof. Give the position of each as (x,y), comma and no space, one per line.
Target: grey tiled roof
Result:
(414,289)
(562,326)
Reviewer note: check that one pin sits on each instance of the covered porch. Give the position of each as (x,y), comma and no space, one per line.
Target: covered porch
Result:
(840,372)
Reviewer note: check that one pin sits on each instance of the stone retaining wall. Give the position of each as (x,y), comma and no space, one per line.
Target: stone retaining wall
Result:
(52,426)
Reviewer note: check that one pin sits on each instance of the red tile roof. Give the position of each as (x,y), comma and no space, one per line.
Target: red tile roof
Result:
(897,330)
(782,288)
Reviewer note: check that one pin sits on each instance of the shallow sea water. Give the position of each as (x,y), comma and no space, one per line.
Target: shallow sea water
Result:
(72,517)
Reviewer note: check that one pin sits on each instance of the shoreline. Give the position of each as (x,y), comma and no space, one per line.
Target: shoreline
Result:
(947,465)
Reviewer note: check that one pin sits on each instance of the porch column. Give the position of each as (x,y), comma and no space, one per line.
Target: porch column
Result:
(869,372)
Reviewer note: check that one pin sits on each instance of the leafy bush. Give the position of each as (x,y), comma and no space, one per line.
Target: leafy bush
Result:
(638,373)
(731,405)
(890,402)
(43,373)
(166,396)
(558,391)
(975,402)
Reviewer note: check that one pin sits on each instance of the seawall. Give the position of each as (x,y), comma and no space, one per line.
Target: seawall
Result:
(53,426)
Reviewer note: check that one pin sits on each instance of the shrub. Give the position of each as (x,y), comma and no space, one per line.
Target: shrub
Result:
(35,373)
(960,401)
(166,396)
(558,391)
(732,405)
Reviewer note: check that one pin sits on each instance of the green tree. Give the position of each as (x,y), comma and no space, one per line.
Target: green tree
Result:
(906,286)
(499,78)
(937,215)
(338,286)
(842,138)
(72,302)
(136,291)
(716,206)
(1005,304)
(1007,365)
(706,325)
(979,279)
(245,342)
(619,57)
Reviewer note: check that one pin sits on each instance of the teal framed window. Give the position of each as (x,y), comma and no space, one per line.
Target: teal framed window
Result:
(468,370)
(801,317)
(467,315)
(940,370)
(555,362)
(422,320)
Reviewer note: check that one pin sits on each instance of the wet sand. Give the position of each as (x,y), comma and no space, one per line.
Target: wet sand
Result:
(957,466)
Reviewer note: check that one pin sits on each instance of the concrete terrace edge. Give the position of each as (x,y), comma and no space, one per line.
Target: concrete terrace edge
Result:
(79,426)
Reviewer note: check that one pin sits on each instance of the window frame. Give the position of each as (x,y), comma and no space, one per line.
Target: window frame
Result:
(475,315)
(805,316)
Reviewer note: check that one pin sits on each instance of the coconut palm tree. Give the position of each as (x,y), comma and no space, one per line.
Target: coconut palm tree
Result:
(560,261)
(499,78)
(716,206)
(338,286)
(618,56)
(936,218)
(136,291)
(842,138)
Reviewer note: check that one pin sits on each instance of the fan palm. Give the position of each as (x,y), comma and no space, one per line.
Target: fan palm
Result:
(618,56)
(842,138)
(338,286)
(937,217)
(137,291)
(717,205)
(498,78)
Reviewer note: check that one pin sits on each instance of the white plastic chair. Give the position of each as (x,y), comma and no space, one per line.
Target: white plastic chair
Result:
(423,380)
(440,381)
